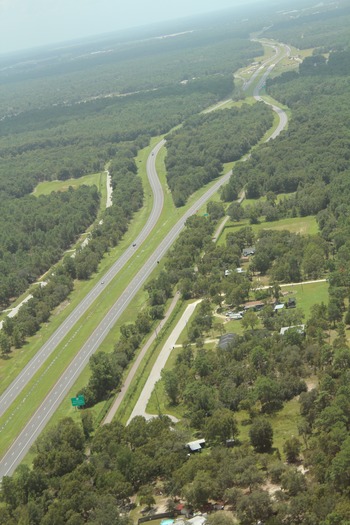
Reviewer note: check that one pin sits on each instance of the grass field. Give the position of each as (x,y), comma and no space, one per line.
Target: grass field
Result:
(302,225)
(47,187)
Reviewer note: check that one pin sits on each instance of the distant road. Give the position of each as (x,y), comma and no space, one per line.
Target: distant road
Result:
(281,52)
(34,427)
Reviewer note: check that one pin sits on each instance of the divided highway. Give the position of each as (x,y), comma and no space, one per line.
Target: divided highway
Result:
(25,376)
(33,428)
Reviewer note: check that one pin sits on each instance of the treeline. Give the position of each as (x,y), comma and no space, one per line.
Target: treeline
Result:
(197,151)
(67,143)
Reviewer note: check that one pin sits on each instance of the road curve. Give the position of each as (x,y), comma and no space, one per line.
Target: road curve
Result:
(281,53)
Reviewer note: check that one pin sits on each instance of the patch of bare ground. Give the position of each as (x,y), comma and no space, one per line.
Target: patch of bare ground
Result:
(311,383)
(271,488)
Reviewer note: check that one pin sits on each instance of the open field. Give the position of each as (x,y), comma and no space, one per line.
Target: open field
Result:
(47,187)
(302,225)
(284,424)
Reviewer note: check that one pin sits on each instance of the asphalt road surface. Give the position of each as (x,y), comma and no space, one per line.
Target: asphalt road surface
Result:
(34,427)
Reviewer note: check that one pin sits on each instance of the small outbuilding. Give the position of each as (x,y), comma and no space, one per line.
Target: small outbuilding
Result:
(196,446)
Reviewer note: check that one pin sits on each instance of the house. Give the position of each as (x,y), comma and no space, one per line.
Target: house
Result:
(196,446)
(246,252)
(253,305)
(299,328)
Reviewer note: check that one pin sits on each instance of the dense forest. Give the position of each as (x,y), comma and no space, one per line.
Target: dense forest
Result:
(196,152)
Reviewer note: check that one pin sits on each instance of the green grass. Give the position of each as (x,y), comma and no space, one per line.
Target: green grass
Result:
(302,225)
(284,424)
(47,187)
(308,294)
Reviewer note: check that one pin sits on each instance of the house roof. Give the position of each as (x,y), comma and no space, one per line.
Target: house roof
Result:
(194,446)
(197,520)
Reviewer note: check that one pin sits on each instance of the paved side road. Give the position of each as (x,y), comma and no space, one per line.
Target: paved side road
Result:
(155,375)
(112,411)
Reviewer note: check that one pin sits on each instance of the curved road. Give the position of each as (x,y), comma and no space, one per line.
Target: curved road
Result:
(33,428)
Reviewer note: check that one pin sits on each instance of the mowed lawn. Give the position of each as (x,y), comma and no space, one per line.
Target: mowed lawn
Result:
(302,225)
(47,187)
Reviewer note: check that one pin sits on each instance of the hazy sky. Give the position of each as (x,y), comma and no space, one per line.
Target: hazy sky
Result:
(29,23)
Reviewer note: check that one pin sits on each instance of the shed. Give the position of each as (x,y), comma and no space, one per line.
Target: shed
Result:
(227,340)
(196,446)
(279,307)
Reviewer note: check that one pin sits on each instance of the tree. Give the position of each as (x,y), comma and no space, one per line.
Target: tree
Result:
(5,344)
(293,481)
(340,468)
(220,426)
(250,319)
(254,508)
(269,393)
(146,496)
(291,448)
(87,421)
(235,211)
(171,385)
(200,490)
(261,435)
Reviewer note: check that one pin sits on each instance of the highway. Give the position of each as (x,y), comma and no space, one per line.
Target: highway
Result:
(27,373)
(34,427)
